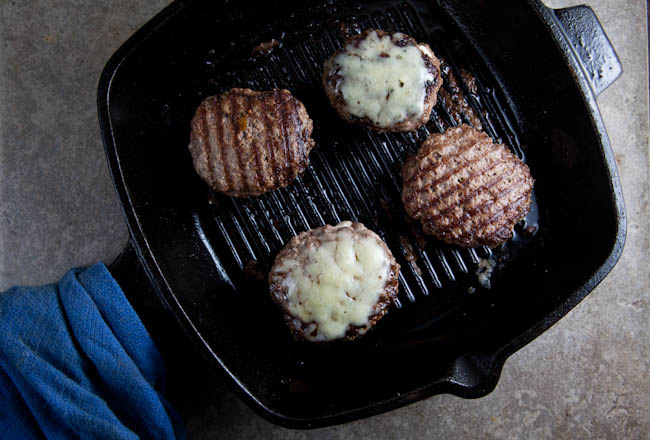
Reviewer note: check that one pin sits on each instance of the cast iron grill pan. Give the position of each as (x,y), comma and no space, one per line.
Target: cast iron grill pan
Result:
(208,255)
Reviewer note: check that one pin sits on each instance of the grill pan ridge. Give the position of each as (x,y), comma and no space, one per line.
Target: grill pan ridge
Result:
(207,255)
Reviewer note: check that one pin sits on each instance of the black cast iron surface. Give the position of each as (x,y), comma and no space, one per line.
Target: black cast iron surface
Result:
(207,255)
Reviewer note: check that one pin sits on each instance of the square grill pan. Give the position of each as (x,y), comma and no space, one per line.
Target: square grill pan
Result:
(453,325)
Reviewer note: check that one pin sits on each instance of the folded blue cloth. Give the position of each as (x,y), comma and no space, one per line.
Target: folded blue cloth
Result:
(76,362)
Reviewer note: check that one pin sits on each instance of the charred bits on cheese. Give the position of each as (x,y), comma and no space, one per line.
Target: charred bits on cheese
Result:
(383,81)
(334,282)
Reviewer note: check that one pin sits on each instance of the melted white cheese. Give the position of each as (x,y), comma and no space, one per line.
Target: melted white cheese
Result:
(336,284)
(381,81)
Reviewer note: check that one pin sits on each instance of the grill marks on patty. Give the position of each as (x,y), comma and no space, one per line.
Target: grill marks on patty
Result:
(245,143)
(465,189)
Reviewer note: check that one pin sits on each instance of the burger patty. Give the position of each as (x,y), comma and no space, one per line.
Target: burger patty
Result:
(245,143)
(465,189)
(383,81)
(334,282)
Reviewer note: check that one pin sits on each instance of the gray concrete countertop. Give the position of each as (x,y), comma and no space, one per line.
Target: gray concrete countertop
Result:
(586,377)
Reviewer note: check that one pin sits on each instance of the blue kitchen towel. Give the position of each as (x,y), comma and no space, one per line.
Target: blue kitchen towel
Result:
(76,362)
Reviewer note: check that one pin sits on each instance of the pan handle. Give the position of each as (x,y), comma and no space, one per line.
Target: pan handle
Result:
(179,355)
(134,281)
(586,37)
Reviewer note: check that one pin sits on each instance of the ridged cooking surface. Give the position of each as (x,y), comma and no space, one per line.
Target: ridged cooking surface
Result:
(354,174)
